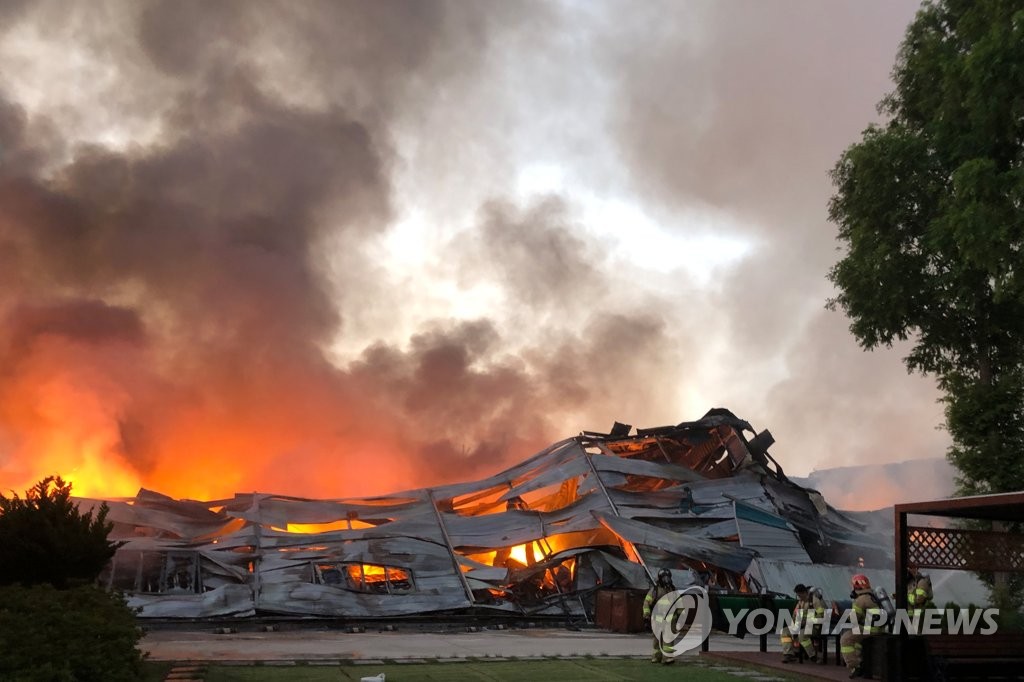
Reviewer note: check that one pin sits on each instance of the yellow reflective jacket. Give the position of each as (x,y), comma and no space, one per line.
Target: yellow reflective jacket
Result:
(919,593)
(866,609)
(811,610)
(653,595)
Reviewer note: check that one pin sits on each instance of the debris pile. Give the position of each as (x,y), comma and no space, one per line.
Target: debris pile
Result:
(704,499)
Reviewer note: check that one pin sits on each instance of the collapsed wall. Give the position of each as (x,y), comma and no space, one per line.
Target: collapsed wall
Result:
(704,499)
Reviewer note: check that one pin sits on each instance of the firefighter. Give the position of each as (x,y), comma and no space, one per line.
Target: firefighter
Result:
(808,617)
(867,620)
(919,595)
(660,589)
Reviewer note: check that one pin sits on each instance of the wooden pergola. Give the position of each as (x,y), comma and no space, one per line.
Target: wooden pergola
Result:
(958,656)
(959,548)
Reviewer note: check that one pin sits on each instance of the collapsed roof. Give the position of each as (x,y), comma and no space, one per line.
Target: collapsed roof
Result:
(704,499)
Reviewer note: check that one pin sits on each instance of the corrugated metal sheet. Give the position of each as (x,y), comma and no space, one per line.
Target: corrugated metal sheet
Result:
(771,542)
(248,554)
(770,535)
(960,587)
(774,575)
(726,555)
(748,512)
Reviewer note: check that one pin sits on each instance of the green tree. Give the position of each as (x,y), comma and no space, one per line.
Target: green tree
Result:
(56,624)
(45,538)
(930,208)
(82,634)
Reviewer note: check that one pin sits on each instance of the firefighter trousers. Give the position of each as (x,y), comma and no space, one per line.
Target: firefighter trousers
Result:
(850,645)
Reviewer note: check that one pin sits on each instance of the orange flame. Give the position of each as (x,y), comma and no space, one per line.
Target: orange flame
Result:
(519,553)
(344,524)
(73,434)
(83,413)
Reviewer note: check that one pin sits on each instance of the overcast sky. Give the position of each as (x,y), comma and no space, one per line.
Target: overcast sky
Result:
(343,248)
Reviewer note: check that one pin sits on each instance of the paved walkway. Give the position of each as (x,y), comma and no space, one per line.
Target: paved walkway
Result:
(580,669)
(337,645)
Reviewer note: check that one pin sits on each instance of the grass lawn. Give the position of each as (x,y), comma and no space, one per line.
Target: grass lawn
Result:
(526,671)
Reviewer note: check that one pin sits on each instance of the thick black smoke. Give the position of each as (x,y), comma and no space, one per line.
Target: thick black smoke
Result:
(194,198)
(169,302)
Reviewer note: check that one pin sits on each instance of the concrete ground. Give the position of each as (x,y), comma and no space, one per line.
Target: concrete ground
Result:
(322,644)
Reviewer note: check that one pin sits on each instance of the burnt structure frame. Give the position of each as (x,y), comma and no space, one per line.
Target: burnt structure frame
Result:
(698,497)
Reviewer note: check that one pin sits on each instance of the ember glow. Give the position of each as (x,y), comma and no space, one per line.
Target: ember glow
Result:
(285,248)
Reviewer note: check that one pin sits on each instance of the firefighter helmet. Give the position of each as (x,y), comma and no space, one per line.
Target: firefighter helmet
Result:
(861,582)
(664,573)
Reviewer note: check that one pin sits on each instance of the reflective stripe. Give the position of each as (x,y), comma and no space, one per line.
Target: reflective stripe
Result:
(866,618)
(872,623)
(846,649)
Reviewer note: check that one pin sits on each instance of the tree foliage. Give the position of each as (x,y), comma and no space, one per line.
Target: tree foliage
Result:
(56,624)
(45,538)
(930,208)
(83,634)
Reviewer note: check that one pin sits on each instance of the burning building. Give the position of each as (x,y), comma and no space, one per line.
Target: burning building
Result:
(704,499)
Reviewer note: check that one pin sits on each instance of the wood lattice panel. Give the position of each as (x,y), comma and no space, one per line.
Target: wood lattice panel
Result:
(971,550)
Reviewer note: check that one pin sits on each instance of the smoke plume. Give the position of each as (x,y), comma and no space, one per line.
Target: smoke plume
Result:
(286,247)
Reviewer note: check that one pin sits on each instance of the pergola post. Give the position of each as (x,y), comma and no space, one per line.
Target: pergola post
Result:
(900,564)
(900,567)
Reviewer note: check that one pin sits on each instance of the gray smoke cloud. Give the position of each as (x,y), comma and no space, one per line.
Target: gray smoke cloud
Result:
(537,253)
(747,115)
(203,290)
(870,487)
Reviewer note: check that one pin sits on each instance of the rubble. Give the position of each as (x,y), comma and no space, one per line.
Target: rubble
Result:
(702,498)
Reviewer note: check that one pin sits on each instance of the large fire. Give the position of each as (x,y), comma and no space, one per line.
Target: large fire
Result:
(61,426)
(79,427)
(64,424)
(117,413)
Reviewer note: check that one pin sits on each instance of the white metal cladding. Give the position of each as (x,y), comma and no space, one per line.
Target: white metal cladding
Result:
(834,581)
(607,500)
